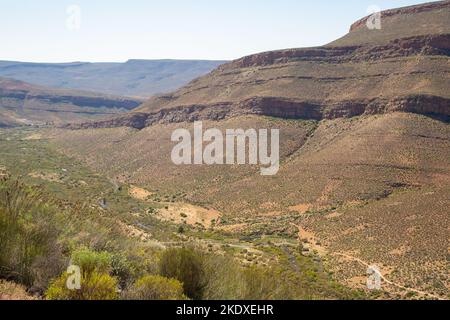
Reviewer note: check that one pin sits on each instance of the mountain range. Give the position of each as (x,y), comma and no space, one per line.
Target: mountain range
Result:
(142,78)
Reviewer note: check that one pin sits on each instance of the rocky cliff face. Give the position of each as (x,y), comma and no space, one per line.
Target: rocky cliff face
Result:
(275,107)
(403,67)
(403,47)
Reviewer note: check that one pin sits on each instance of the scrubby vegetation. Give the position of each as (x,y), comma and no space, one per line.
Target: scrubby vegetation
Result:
(29,253)
(13,291)
(213,277)
(39,243)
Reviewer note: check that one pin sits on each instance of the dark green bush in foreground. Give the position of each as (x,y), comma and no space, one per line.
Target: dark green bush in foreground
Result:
(187,266)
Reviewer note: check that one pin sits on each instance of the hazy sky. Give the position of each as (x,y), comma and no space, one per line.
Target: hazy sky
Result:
(118,30)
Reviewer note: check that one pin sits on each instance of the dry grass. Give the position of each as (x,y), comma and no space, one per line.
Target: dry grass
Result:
(12,291)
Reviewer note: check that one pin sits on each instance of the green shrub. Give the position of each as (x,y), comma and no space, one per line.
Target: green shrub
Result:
(90,261)
(156,288)
(224,278)
(260,283)
(122,269)
(28,235)
(96,282)
(186,265)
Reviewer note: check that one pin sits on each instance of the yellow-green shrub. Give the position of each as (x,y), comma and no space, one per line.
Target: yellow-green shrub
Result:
(95,280)
(94,286)
(90,261)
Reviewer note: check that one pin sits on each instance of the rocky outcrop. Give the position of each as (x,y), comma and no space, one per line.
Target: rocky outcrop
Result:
(76,100)
(133,120)
(278,107)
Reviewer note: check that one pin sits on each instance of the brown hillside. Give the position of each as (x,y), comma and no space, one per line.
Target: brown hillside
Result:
(22,103)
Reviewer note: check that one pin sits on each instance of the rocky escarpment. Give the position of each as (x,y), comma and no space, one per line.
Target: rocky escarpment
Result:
(404,47)
(418,20)
(278,107)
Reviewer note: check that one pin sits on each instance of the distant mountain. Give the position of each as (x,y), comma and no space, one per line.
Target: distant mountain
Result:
(24,104)
(132,78)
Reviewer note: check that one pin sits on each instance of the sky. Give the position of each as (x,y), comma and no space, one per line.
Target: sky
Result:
(118,30)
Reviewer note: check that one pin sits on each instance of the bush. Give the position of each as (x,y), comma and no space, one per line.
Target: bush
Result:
(224,279)
(123,270)
(185,265)
(261,283)
(90,261)
(94,286)
(156,288)
(96,283)
(28,235)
